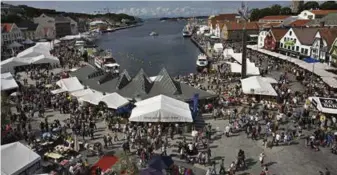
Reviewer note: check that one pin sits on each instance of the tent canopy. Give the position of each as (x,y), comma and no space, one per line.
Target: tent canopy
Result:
(8,82)
(218,47)
(325,105)
(251,69)
(257,85)
(92,98)
(114,100)
(16,158)
(81,92)
(70,84)
(15,45)
(161,108)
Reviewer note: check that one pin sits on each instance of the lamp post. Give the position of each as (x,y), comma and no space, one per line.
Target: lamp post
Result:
(243,11)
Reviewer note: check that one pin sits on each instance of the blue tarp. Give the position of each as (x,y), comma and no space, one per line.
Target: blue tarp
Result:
(310,60)
(124,109)
(194,105)
(160,162)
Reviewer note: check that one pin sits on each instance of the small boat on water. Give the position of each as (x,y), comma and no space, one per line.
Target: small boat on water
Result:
(108,30)
(153,34)
(202,62)
(187,31)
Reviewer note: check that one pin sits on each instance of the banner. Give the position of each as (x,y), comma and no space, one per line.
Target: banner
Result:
(195,106)
(328,103)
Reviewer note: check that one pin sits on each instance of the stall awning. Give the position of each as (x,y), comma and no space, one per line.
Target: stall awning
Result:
(325,105)
(161,108)
(114,100)
(257,85)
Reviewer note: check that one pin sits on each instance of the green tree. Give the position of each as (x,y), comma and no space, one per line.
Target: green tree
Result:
(275,9)
(328,5)
(255,14)
(285,11)
(311,5)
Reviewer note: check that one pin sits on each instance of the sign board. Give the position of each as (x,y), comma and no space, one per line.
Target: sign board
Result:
(289,43)
(328,103)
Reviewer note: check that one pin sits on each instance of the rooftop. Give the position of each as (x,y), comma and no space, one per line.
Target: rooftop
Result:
(6,27)
(140,86)
(299,23)
(305,35)
(276,17)
(278,33)
(323,12)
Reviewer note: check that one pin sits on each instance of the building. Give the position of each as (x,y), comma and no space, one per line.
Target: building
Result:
(262,36)
(29,30)
(274,19)
(46,28)
(232,31)
(333,53)
(10,33)
(82,25)
(295,5)
(62,26)
(329,20)
(98,25)
(300,23)
(315,14)
(214,19)
(273,37)
(297,42)
(324,39)
(73,26)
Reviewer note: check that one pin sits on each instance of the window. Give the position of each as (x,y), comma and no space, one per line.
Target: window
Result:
(293,48)
(302,50)
(297,48)
(306,51)
(290,33)
(281,44)
(295,41)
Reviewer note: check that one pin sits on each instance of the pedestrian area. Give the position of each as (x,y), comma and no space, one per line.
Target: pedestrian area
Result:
(318,69)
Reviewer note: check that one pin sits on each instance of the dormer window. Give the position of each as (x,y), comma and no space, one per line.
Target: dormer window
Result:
(290,33)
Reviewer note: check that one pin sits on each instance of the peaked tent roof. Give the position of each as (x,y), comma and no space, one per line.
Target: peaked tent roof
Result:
(16,157)
(8,82)
(114,100)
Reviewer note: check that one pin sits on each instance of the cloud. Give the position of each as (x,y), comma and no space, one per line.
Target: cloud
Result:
(164,11)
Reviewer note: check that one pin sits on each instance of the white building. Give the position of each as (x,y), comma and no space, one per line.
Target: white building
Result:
(10,33)
(324,39)
(262,36)
(297,42)
(315,14)
(73,26)
(46,28)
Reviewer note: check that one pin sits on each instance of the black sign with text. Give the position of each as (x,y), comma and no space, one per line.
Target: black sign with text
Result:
(328,103)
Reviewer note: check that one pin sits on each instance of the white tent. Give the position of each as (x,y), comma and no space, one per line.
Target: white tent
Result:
(114,100)
(39,49)
(16,159)
(70,84)
(257,85)
(8,82)
(81,92)
(161,109)
(251,70)
(325,105)
(92,98)
(228,52)
(218,47)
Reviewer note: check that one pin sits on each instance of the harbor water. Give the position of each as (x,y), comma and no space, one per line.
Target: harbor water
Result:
(134,48)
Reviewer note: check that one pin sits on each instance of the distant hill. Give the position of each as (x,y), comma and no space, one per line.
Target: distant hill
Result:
(181,18)
(24,12)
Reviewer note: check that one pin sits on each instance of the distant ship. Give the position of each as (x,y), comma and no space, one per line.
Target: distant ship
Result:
(202,62)
(187,31)
(153,34)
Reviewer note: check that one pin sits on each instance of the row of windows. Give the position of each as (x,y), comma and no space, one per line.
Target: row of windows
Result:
(11,35)
(293,48)
(290,39)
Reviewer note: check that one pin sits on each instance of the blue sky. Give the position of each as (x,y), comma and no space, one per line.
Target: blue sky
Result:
(150,8)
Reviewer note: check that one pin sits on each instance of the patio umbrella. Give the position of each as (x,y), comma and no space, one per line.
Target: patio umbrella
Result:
(15,45)
(160,162)
(150,171)
(28,41)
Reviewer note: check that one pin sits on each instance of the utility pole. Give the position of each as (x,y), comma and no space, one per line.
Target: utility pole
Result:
(244,14)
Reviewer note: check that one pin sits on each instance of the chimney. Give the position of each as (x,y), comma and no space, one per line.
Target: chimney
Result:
(321,24)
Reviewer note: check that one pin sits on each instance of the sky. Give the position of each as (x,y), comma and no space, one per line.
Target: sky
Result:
(148,9)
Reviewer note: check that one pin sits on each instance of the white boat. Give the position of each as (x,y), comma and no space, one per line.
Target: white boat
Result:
(187,31)
(202,61)
(153,34)
(107,63)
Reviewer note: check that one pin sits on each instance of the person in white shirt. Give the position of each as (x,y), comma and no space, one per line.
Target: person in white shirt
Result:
(277,138)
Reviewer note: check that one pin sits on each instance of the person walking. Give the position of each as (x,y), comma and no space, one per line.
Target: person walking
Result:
(261,158)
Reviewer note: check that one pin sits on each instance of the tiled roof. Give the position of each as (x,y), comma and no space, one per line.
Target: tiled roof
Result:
(225,17)
(239,26)
(6,27)
(27,24)
(276,17)
(278,33)
(269,25)
(299,23)
(329,20)
(305,35)
(323,12)
(329,34)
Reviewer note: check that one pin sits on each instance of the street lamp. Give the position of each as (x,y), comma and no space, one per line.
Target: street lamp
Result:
(243,11)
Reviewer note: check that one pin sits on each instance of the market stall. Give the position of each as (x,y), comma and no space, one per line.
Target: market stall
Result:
(324,105)
(161,108)
(114,100)
(257,85)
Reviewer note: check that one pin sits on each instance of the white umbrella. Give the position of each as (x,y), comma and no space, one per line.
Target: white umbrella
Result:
(28,41)
(15,45)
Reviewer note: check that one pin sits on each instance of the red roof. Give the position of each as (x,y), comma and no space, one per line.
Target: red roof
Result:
(225,17)
(276,17)
(6,27)
(329,34)
(239,26)
(278,33)
(323,12)
(299,23)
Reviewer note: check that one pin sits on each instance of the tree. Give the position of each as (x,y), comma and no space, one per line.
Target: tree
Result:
(275,9)
(328,5)
(311,5)
(285,11)
(255,14)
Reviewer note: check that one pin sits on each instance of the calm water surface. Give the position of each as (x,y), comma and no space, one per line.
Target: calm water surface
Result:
(134,49)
